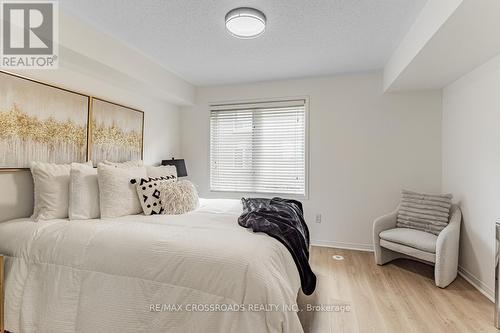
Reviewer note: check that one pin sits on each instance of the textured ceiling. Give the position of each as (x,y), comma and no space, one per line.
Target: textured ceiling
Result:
(303,38)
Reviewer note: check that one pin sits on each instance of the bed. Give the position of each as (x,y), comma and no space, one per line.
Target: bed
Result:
(196,272)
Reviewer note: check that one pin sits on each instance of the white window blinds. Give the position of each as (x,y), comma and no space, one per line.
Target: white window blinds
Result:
(258,147)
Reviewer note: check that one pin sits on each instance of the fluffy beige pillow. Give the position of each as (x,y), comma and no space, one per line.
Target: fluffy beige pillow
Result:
(179,197)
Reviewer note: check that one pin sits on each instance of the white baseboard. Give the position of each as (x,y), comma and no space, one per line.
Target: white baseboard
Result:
(343,245)
(476,283)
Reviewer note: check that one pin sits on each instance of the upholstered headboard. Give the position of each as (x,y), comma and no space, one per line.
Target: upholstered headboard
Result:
(16,196)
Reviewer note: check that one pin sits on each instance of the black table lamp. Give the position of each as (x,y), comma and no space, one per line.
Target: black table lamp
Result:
(179,164)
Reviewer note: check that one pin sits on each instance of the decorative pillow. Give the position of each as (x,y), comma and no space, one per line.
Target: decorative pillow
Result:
(83,193)
(117,197)
(425,212)
(162,171)
(149,193)
(126,164)
(179,197)
(51,185)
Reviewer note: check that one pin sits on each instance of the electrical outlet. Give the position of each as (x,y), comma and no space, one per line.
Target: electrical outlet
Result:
(318,218)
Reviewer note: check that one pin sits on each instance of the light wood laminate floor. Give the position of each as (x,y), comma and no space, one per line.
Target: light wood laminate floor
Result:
(398,297)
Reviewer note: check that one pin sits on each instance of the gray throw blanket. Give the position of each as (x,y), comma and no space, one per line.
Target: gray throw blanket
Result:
(283,220)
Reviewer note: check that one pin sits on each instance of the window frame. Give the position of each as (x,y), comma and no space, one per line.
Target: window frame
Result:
(306,98)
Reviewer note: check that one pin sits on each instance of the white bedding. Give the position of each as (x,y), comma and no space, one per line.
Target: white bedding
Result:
(104,275)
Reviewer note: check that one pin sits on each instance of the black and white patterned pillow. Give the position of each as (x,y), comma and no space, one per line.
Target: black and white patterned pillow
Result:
(149,192)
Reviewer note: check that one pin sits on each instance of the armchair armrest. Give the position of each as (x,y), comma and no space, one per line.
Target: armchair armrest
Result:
(380,224)
(385,222)
(447,249)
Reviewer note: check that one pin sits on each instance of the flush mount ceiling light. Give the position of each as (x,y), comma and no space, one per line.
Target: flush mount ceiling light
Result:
(245,22)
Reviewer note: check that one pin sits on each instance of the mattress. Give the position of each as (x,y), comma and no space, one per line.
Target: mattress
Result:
(196,272)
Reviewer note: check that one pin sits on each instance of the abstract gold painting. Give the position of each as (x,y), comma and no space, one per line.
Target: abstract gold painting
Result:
(39,122)
(116,132)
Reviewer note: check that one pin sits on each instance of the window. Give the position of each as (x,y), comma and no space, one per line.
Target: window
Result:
(258,147)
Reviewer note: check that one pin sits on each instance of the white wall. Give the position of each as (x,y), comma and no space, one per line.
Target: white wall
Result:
(161,133)
(471,165)
(364,147)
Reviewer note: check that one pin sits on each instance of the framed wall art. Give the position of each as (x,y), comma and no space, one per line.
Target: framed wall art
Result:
(116,132)
(41,122)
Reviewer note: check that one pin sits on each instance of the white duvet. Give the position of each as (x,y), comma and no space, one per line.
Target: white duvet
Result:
(148,274)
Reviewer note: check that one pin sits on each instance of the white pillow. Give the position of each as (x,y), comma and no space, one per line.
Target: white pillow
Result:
(51,184)
(162,171)
(149,192)
(117,196)
(126,164)
(83,193)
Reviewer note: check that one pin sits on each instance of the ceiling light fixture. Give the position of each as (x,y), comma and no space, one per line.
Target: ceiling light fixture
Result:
(245,22)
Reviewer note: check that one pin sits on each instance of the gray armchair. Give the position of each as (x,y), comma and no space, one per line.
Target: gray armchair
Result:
(441,251)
